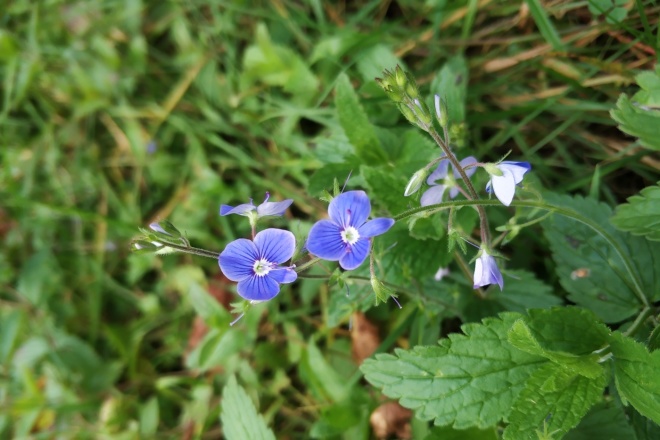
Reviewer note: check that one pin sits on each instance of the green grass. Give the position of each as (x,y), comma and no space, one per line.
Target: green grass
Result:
(237,98)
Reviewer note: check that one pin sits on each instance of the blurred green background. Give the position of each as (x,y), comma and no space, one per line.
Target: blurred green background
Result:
(119,113)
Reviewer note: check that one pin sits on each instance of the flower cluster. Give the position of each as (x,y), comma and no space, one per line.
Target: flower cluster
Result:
(257,265)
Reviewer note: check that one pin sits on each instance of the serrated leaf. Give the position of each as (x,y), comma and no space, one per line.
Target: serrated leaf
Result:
(641,215)
(467,381)
(386,186)
(451,84)
(642,123)
(605,421)
(636,375)
(566,336)
(239,416)
(524,291)
(589,267)
(553,401)
(448,433)
(355,123)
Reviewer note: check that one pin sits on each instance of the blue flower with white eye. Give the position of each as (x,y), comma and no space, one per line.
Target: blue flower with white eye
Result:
(486,271)
(504,186)
(433,195)
(263,210)
(346,236)
(255,265)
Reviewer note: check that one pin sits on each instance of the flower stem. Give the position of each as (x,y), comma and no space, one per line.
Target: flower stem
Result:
(566,212)
(193,250)
(472,193)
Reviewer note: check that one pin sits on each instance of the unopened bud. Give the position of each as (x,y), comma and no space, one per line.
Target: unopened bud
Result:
(408,113)
(400,77)
(415,182)
(441,111)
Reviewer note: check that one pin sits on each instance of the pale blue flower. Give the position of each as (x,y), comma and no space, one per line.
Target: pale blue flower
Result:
(346,236)
(434,194)
(504,186)
(265,209)
(255,265)
(486,271)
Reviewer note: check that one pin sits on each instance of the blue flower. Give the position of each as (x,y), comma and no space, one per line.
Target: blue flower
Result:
(255,265)
(505,185)
(434,194)
(266,208)
(346,236)
(486,271)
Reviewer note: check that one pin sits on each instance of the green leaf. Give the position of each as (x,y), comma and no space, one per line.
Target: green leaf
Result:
(279,66)
(386,186)
(448,433)
(553,401)
(468,380)
(589,267)
(636,375)
(207,307)
(355,123)
(641,215)
(239,416)
(566,336)
(320,377)
(523,291)
(604,421)
(613,10)
(640,122)
(451,84)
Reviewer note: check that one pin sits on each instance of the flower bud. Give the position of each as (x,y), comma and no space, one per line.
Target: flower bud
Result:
(415,182)
(400,77)
(441,111)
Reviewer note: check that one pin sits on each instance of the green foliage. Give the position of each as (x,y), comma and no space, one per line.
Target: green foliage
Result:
(638,116)
(116,117)
(635,372)
(356,124)
(469,380)
(641,215)
(240,419)
(614,11)
(451,84)
(589,266)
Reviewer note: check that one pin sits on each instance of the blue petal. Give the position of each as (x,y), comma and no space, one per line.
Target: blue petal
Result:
(350,208)
(355,254)
(240,209)
(433,195)
(439,173)
(275,245)
(258,288)
(283,275)
(375,227)
(273,208)
(238,258)
(486,272)
(325,241)
(517,169)
(465,162)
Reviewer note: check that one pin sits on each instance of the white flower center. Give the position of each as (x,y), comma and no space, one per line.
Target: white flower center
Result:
(262,267)
(350,235)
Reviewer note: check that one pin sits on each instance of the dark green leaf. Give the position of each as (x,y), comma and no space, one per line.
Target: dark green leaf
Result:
(553,401)
(355,123)
(636,375)
(605,421)
(239,416)
(468,380)
(451,84)
(641,215)
(589,267)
